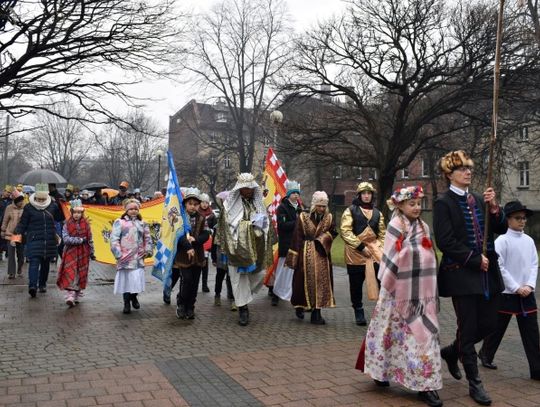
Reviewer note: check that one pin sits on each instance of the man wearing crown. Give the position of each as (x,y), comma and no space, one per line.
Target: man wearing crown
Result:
(243,235)
(362,229)
(466,274)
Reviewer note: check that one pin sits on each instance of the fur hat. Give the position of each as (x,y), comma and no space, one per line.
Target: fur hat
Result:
(205,198)
(319,198)
(365,186)
(42,191)
(130,201)
(453,160)
(245,180)
(124,184)
(76,204)
(292,187)
(192,193)
(404,194)
(8,188)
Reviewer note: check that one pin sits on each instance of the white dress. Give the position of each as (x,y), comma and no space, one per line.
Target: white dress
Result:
(244,285)
(129,281)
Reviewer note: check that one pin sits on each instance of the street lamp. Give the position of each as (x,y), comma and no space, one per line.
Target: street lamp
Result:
(159,154)
(276,118)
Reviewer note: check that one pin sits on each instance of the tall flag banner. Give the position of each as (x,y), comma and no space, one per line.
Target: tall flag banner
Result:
(274,180)
(101,219)
(174,225)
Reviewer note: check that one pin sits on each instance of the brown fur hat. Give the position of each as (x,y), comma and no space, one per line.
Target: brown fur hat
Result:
(453,160)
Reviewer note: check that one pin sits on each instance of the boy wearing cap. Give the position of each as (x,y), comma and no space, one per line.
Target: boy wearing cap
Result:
(190,256)
(362,230)
(472,279)
(122,194)
(12,216)
(518,261)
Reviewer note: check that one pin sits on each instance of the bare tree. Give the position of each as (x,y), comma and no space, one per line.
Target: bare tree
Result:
(404,67)
(77,48)
(60,144)
(235,53)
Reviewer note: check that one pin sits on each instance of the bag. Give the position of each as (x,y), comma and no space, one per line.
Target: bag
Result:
(371,281)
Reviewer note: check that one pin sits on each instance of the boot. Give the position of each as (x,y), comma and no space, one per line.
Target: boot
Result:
(359,316)
(316,317)
(217,300)
(299,312)
(450,356)
(275,300)
(135,301)
(243,315)
(127,303)
(181,312)
(476,389)
(70,298)
(190,313)
(485,361)
(431,398)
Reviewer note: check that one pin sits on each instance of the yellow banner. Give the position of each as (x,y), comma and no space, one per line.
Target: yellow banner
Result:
(101,219)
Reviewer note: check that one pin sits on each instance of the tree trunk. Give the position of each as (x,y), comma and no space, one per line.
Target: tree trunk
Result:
(386,185)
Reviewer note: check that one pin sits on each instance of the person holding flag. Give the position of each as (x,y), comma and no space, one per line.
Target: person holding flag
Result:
(174,226)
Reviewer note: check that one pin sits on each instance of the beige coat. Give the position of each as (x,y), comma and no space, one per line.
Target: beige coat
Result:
(12,215)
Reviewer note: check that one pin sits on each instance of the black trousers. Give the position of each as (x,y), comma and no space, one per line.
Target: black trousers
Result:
(530,337)
(205,274)
(476,319)
(222,274)
(357,275)
(189,283)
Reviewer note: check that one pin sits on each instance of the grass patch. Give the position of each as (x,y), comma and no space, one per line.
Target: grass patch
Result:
(338,255)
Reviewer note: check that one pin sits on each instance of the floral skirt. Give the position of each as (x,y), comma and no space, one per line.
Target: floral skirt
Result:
(392,353)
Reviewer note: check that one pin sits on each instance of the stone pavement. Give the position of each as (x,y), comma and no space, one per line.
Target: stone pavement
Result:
(93,355)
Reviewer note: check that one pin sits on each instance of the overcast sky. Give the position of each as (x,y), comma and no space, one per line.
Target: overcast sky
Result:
(172,97)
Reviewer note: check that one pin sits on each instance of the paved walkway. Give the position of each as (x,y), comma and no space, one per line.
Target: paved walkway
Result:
(93,355)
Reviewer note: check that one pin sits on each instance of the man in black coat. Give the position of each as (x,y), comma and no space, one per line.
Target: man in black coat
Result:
(286,214)
(472,279)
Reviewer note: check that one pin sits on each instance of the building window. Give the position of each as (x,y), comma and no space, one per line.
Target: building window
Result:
(338,172)
(358,171)
(227,161)
(221,117)
(212,137)
(178,120)
(424,203)
(212,160)
(372,174)
(405,172)
(425,172)
(524,133)
(523,168)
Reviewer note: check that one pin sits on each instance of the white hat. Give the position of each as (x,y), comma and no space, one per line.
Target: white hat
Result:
(319,198)
(205,198)
(245,180)
(192,193)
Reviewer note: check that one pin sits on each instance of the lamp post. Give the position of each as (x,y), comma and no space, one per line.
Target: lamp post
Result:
(276,118)
(159,154)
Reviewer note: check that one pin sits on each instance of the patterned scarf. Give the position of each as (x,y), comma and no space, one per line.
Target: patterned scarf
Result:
(408,272)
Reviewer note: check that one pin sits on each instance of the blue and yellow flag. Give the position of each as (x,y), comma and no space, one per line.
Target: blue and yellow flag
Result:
(174,225)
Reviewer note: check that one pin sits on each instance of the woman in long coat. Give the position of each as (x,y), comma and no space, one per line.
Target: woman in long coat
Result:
(310,258)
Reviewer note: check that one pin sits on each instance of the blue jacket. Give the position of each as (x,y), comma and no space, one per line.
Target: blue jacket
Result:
(38,230)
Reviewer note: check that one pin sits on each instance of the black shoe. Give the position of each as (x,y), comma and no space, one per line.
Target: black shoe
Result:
(381,383)
(270,291)
(32,291)
(316,317)
(190,314)
(42,290)
(485,362)
(11,276)
(360,317)
(205,289)
(180,312)
(299,313)
(127,303)
(135,301)
(431,398)
(275,300)
(451,359)
(166,298)
(478,393)
(243,316)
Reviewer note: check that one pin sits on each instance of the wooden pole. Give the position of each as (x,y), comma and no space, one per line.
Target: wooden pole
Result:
(493,138)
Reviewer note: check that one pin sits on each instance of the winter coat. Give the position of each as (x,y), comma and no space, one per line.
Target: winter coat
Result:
(286,216)
(38,230)
(201,235)
(12,215)
(130,243)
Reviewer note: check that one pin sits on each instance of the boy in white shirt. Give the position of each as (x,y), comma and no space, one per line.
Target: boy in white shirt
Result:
(518,261)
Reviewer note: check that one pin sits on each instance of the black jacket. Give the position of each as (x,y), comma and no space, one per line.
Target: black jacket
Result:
(38,230)
(459,271)
(286,216)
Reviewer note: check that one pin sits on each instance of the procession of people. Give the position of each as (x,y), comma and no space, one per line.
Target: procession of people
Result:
(489,279)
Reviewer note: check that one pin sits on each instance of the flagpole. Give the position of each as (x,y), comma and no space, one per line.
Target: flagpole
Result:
(495,119)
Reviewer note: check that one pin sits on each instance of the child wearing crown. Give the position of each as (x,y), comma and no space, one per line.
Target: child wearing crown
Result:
(402,340)
(78,250)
